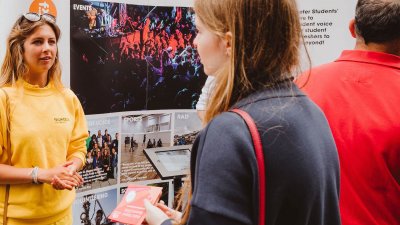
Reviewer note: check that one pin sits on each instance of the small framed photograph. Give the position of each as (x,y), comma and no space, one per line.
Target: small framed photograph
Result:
(170,162)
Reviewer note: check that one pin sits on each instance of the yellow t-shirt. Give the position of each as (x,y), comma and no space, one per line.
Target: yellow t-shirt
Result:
(47,128)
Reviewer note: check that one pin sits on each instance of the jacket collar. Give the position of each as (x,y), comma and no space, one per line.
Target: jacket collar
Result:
(370,57)
(286,89)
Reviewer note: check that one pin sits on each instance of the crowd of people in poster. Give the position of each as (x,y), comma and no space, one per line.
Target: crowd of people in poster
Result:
(133,57)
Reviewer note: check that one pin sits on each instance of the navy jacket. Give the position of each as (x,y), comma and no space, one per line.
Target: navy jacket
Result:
(302,167)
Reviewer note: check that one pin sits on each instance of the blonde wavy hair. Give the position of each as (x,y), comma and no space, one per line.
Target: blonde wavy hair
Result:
(265,48)
(13,67)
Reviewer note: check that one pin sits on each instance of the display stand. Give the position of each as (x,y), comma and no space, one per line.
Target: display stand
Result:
(170,162)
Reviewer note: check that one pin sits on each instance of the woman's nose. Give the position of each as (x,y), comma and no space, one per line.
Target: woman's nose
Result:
(46,46)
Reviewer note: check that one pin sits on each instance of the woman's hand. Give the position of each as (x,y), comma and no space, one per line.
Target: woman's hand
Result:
(59,184)
(171,213)
(61,177)
(73,171)
(71,167)
(154,215)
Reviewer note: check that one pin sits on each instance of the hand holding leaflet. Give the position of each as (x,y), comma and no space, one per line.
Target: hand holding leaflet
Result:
(131,209)
(154,215)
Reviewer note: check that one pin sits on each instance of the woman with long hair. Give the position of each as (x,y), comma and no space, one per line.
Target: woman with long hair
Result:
(252,49)
(42,128)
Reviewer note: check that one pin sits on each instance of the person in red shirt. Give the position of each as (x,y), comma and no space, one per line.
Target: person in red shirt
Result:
(360,95)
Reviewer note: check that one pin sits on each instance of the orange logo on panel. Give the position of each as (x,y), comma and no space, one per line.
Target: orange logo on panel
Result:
(43,6)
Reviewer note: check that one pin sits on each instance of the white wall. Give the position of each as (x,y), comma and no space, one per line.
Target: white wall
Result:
(339,35)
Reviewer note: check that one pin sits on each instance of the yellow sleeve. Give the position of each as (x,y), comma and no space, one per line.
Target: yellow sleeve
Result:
(77,145)
(3,127)
(3,122)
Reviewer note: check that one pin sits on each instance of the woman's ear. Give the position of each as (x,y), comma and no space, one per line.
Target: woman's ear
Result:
(228,43)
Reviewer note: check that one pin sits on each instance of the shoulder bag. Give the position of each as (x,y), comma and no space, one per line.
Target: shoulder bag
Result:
(255,135)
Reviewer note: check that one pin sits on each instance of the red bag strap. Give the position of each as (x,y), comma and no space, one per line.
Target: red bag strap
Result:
(255,135)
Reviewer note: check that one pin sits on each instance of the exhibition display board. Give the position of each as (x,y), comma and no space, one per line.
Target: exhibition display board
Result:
(134,68)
